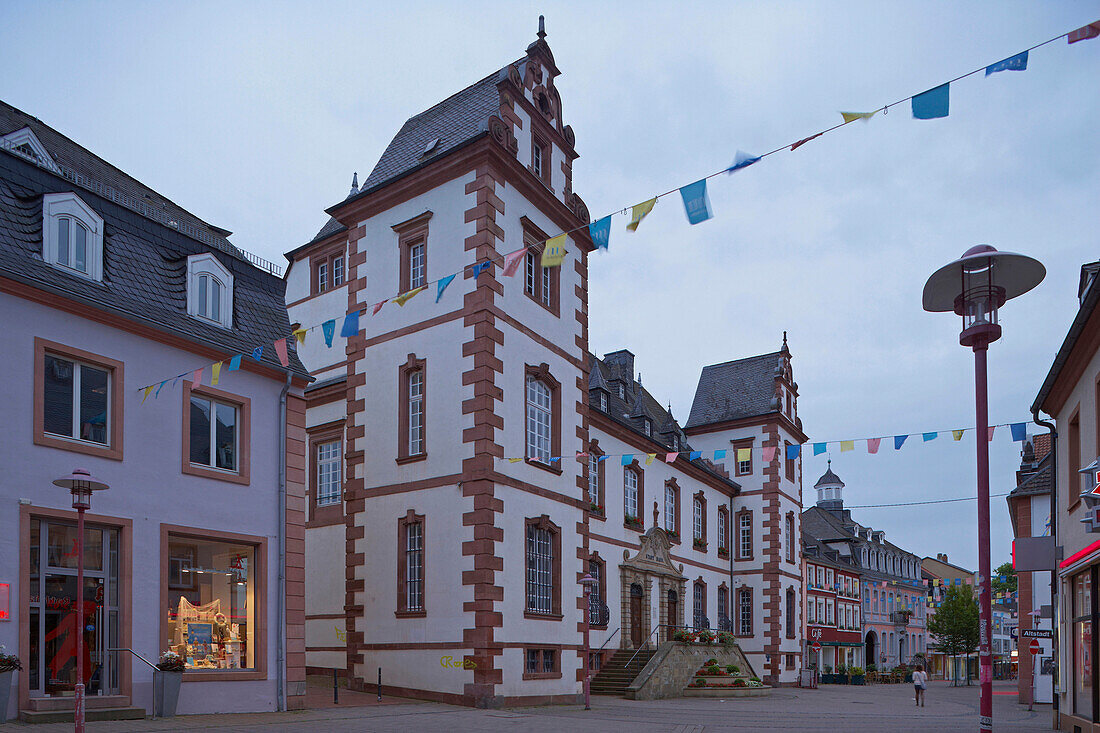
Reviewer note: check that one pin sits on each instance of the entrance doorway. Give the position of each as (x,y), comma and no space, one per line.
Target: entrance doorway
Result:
(673,610)
(869,648)
(636,630)
(53,604)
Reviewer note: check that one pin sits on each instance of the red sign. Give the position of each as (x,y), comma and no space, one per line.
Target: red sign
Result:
(1034,647)
(815,646)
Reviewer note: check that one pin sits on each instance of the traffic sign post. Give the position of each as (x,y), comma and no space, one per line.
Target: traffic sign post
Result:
(1034,647)
(815,646)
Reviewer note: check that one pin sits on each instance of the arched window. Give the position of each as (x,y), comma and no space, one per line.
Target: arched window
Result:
(539,418)
(209,299)
(209,290)
(72,235)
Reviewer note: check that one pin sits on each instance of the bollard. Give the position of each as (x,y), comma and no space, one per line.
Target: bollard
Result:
(335,689)
(379,684)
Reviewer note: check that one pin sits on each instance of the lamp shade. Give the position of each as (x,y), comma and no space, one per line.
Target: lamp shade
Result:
(1014,273)
(80,479)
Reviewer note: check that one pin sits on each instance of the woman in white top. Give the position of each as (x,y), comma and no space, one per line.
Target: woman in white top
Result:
(920,682)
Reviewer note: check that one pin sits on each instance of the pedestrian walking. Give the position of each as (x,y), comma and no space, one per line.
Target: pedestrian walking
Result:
(920,682)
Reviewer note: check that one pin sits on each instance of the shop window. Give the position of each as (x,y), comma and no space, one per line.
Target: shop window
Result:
(216,434)
(78,400)
(1084,663)
(72,235)
(215,600)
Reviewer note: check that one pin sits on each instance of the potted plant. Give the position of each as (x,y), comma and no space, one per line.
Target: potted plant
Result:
(739,682)
(726,639)
(699,543)
(673,535)
(683,635)
(9,665)
(596,508)
(842,674)
(166,684)
(704,636)
(632,521)
(733,669)
(855,675)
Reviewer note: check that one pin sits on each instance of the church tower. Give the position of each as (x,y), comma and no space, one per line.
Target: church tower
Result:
(830,490)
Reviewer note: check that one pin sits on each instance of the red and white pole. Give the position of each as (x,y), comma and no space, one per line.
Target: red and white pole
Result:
(78,713)
(985,623)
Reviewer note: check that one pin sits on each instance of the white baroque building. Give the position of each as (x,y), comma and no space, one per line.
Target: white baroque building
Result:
(464,452)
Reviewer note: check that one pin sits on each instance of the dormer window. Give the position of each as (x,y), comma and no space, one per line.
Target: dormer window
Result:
(648,429)
(209,290)
(622,392)
(675,444)
(72,235)
(603,400)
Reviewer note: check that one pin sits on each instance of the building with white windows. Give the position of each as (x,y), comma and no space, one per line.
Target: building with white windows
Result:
(466,451)
(833,611)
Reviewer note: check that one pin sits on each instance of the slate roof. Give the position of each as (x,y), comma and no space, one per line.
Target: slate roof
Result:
(816,550)
(825,526)
(636,406)
(1036,483)
(829,478)
(735,389)
(144,261)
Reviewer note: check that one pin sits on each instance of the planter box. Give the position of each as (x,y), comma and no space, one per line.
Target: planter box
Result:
(166,693)
(858,679)
(5,693)
(727,692)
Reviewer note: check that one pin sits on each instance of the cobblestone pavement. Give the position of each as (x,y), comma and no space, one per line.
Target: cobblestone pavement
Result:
(830,708)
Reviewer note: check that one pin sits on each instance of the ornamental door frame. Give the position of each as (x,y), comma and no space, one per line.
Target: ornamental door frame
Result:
(651,567)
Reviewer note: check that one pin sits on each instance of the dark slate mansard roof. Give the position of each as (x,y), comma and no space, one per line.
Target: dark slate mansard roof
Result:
(144,260)
(735,389)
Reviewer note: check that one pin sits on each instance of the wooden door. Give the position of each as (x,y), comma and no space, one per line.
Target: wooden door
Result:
(637,632)
(673,610)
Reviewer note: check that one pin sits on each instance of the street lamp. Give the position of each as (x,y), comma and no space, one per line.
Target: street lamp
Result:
(974,287)
(587,581)
(80,484)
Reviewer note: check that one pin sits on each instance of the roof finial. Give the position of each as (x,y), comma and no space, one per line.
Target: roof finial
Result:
(784,341)
(542,27)
(354,183)
(830,466)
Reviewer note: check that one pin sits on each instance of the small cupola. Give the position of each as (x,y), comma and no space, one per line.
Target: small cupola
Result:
(830,490)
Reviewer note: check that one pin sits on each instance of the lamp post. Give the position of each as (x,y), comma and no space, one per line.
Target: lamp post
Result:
(974,287)
(587,581)
(80,484)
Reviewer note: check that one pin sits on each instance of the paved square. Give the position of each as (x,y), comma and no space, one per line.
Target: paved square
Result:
(830,708)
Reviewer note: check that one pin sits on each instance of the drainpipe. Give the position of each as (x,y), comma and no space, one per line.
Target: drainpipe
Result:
(1053,571)
(280,625)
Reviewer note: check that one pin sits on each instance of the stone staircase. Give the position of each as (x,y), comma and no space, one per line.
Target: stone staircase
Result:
(96,707)
(615,675)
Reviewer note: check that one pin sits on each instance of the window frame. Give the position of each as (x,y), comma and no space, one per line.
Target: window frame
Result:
(723,531)
(327,260)
(546,158)
(541,651)
(635,469)
(740,444)
(411,233)
(791,616)
(411,366)
(674,487)
(543,523)
(739,519)
(116,400)
(594,454)
(207,264)
(699,501)
(68,205)
(790,527)
(536,277)
(403,523)
(323,515)
(542,373)
(744,612)
(244,434)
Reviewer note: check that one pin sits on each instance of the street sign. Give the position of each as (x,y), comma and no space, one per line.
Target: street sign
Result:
(1034,647)
(815,646)
(1037,634)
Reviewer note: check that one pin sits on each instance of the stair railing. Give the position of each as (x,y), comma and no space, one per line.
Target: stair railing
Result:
(645,644)
(616,631)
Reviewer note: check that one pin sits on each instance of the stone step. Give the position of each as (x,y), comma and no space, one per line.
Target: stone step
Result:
(68,702)
(90,714)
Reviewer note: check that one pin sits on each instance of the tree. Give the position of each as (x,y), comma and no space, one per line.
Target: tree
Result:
(1008,585)
(954,626)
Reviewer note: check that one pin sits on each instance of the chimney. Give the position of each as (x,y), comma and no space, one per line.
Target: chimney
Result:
(622,359)
(942,557)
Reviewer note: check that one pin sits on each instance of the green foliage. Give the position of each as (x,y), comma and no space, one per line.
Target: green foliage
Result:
(1008,585)
(733,669)
(855,671)
(714,670)
(710,662)
(954,627)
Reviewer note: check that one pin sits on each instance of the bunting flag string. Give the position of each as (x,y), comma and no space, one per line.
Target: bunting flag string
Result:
(931,104)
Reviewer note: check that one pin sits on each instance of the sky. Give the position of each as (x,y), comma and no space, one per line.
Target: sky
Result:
(253,116)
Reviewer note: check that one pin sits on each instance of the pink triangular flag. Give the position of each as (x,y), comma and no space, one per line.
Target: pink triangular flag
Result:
(377,307)
(991,429)
(670,457)
(872,444)
(196,376)
(280,349)
(512,260)
(769,453)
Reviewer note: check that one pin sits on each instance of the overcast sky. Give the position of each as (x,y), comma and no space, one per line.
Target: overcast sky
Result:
(253,116)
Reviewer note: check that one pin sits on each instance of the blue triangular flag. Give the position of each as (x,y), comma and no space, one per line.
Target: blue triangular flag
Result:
(159,388)
(257,353)
(480,267)
(351,325)
(696,203)
(627,459)
(694,454)
(929,436)
(235,363)
(1019,432)
(933,103)
(719,454)
(742,160)
(600,231)
(601,459)
(793,451)
(899,440)
(1012,63)
(819,448)
(443,283)
(328,328)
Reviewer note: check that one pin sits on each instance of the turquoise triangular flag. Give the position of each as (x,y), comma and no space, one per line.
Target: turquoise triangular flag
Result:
(819,448)
(443,283)
(235,363)
(328,328)
(933,103)
(627,459)
(257,353)
(929,436)
(600,231)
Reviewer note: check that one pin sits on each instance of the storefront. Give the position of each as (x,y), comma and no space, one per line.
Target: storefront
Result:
(1080,656)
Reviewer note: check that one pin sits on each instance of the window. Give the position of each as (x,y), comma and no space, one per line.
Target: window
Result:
(215,433)
(412,242)
(72,235)
(723,605)
(536,159)
(675,444)
(328,473)
(337,271)
(744,611)
(631,495)
(788,462)
(541,664)
(410,566)
(215,597)
(539,283)
(811,609)
(742,467)
(671,496)
(539,417)
(622,394)
(596,477)
(322,277)
(78,400)
(697,518)
(791,540)
(648,429)
(541,153)
(830,611)
(744,535)
(543,568)
(603,401)
(417,265)
(412,442)
(209,290)
(328,270)
(699,607)
(1073,443)
(596,594)
(723,530)
(790,613)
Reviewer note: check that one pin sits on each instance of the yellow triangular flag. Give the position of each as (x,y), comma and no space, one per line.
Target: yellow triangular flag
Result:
(638,212)
(649,458)
(147,391)
(300,334)
(554,252)
(957,434)
(744,455)
(847,445)
(407,295)
(853,116)
(217,369)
